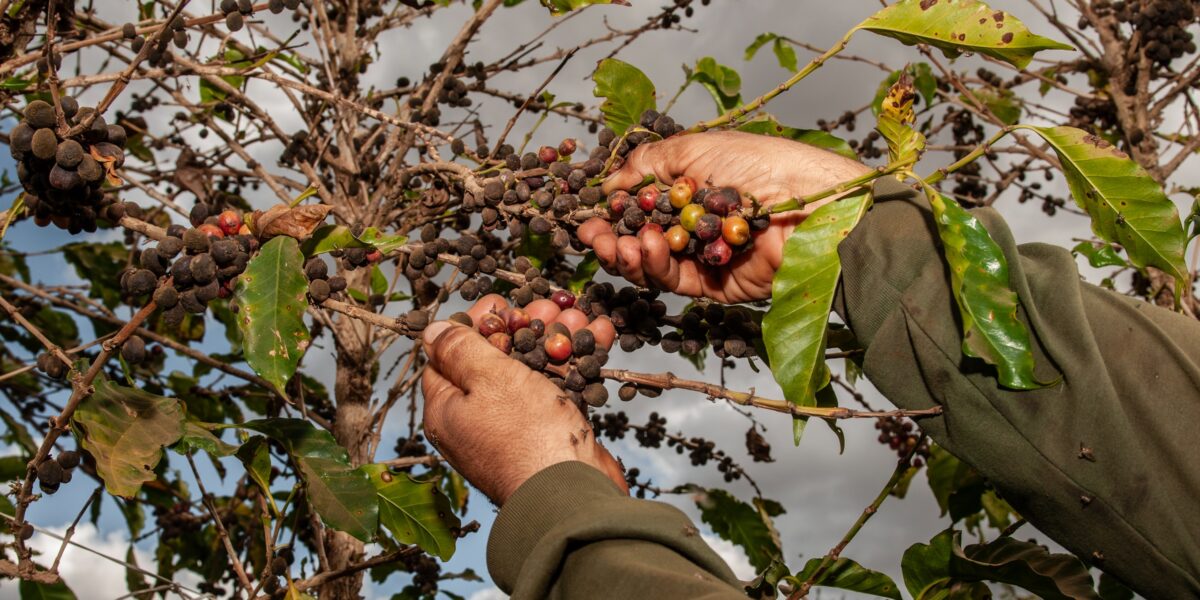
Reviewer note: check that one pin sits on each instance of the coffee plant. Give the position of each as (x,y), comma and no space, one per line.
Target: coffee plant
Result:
(389,205)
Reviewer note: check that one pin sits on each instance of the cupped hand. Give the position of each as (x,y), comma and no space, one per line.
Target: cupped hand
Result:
(496,421)
(769,169)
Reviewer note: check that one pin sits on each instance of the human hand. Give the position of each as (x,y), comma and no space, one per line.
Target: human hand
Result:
(769,169)
(496,421)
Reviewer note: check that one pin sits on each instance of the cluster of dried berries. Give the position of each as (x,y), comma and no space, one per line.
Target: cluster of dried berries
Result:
(55,471)
(62,176)
(192,266)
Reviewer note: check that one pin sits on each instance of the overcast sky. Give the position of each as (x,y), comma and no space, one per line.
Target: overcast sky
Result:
(823,491)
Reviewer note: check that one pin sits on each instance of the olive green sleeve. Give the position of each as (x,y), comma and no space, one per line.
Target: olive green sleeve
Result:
(568,532)
(1106,461)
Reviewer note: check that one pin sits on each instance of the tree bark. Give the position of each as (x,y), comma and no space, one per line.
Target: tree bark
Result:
(352,389)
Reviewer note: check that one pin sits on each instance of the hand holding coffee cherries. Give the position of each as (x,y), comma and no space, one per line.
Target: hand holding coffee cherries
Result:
(497,420)
(767,169)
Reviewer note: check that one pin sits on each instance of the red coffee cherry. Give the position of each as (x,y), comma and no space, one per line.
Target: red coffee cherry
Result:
(563,299)
(558,347)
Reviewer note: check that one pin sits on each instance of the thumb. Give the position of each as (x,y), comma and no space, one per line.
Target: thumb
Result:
(462,356)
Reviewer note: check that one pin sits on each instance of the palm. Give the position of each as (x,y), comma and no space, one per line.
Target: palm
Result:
(768,170)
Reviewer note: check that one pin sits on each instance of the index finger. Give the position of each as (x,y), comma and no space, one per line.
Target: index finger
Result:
(653,159)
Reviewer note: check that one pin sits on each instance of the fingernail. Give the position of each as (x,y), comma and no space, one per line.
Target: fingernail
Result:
(434,330)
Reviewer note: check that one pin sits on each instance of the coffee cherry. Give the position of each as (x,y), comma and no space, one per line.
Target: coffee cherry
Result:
(490,323)
(722,201)
(229,222)
(558,347)
(516,319)
(502,341)
(708,227)
(69,154)
(690,216)
(547,154)
(374,256)
(140,282)
(677,238)
(211,231)
(26,531)
(681,194)
(627,392)
(618,201)
(133,350)
(68,459)
(595,394)
(49,473)
(44,144)
(166,297)
(563,299)
(318,290)
(567,147)
(647,198)
(717,253)
(735,230)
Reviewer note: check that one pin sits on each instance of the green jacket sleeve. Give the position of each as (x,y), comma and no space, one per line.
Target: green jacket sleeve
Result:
(568,532)
(1106,461)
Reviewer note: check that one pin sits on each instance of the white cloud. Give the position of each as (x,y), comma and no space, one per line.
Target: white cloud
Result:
(89,575)
(489,594)
(732,555)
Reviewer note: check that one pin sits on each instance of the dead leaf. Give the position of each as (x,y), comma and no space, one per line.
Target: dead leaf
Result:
(190,176)
(112,157)
(298,222)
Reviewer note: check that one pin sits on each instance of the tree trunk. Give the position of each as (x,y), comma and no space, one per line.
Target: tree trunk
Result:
(351,428)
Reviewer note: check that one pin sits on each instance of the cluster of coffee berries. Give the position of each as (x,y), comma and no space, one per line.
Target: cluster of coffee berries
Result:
(320,285)
(53,472)
(52,366)
(902,436)
(1164,25)
(705,222)
(176,521)
(572,360)
(236,11)
(192,266)
(731,331)
(62,177)
(700,451)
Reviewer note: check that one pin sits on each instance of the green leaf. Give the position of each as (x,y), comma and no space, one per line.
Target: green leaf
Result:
(415,512)
(949,476)
(926,565)
(740,523)
(1126,205)
(272,303)
(925,81)
(986,303)
(15,84)
(33,590)
(958,26)
(135,581)
(255,455)
(560,7)
(723,83)
(13,467)
(1099,255)
(627,93)
(786,54)
(794,329)
(1003,103)
(1025,565)
(845,574)
(379,282)
(762,40)
(584,272)
(16,433)
(341,494)
(197,437)
(767,125)
(381,241)
(125,430)
(100,264)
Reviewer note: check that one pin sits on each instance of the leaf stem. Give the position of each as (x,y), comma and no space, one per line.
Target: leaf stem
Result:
(971,157)
(845,186)
(902,467)
(737,113)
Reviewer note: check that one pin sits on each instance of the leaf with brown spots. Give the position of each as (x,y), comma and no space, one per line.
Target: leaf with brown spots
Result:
(1126,205)
(125,430)
(271,297)
(801,298)
(342,495)
(958,26)
(294,222)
